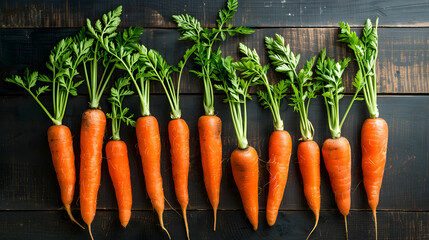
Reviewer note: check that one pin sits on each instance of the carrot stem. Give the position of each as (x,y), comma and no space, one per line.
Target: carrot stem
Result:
(68,210)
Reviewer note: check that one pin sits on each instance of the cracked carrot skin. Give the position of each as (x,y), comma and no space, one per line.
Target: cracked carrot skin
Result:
(91,143)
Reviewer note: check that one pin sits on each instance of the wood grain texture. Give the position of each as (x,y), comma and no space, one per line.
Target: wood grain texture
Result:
(254,13)
(28,182)
(402,66)
(46,225)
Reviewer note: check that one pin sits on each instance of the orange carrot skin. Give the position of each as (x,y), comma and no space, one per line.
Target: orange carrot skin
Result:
(244,164)
(280,149)
(119,170)
(91,143)
(337,157)
(374,139)
(61,146)
(309,165)
(178,134)
(149,143)
(210,128)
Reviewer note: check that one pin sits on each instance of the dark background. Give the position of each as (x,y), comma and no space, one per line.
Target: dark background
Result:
(30,204)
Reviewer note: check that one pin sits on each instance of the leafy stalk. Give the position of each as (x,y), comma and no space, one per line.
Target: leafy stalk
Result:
(303,89)
(366,51)
(329,74)
(236,90)
(252,69)
(159,70)
(119,114)
(64,59)
(204,38)
(126,51)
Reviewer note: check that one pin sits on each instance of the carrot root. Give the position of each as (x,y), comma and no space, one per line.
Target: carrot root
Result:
(214,218)
(185,219)
(90,232)
(68,210)
(161,222)
(374,213)
(314,228)
(345,223)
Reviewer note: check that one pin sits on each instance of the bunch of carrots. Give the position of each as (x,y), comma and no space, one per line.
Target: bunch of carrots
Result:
(100,50)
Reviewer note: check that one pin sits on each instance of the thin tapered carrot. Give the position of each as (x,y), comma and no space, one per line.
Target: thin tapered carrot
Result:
(91,143)
(210,128)
(178,134)
(149,143)
(61,146)
(119,170)
(309,165)
(244,164)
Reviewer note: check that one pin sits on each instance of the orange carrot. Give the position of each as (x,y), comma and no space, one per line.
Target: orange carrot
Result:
(178,134)
(244,164)
(210,128)
(309,165)
(374,147)
(280,148)
(119,170)
(149,142)
(61,146)
(91,143)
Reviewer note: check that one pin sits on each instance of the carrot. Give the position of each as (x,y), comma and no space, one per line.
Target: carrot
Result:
(244,159)
(336,150)
(178,131)
(91,143)
(374,130)
(65,57)
(210,128)
(280,144)
(303,91)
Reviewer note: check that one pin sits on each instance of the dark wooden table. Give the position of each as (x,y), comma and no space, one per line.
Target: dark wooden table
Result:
(29,193)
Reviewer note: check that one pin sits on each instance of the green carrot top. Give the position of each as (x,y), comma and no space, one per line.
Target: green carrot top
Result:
(366,51)
(252,69)
(329,74)
(236,90)
(64,60)
(204,38)
(303,89)
(119,114)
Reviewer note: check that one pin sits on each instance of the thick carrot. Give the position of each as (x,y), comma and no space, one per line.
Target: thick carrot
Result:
(119,170)
(374,148)
(91,143)
(210,128)
(149,142)
(178,134)
(309,165)
(280,148)
(244,164)
(61,146)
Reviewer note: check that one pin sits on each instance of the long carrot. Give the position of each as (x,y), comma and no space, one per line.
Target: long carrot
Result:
(65,57)
(375,132)
(336,150)
(303,91)
(178,131)
(280,144)
(244,159)
(209,125)
(116,150)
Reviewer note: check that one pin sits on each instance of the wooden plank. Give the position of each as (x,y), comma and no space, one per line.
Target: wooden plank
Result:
(402,63)
(28,180)
(231,225)
(254,13)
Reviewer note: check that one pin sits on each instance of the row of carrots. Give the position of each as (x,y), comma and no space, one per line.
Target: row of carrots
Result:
(100,50)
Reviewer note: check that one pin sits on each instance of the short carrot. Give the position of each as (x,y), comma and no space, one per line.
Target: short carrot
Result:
(64,57)
(280,144)
(244,159)
(116,150)
(303,90)
(209,125)
(336,150)
(178,131)
(374,136)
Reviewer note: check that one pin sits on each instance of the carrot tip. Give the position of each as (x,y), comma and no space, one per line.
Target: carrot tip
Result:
(375,221)
(161,222)
(68,210)
(90,232)
(186,222)
(347,232)
(315,225)
(214,219)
